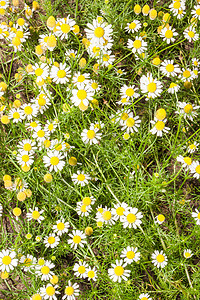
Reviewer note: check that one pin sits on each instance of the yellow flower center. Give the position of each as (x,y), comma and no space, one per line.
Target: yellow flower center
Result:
(91,134)
(137,44)
(187,254)
(107,215)
(94,85)
(188,108)
(40,133)
(130,122)
(81,177)
(51,41)
(83,208)
(177,5)
(6,260)
(81,78)
(91,274)
(132,25)
(16,41)
(144,298)
(61,73)
(160,114)
(172,85)
(39,72)
(99,32)
(160,258)
(60,226)
(28,110)
(129,92)
(27,147)
(187,160)
(2,3)
(160,125)
(76,239)
(54,160)
(124,100)
(119,271)
(36,297)
(17,211)
(161,218)
(186,74)
(50,290)
(16,115)
(170,68)
(86,201)
(81,269)
(130,254)
(124,116)
(69,290)
(51,240)
(131,218)
(169,34)
(25,158)
(198,11)
(120,211)
(27,262)
(197,169)
(151,87)
(45,270)
(191,34)
(20,22)
(65,28)
(41,262)
(81,94)
(192,146)
(41,101)
(198,216)
(35,214)
(19,34)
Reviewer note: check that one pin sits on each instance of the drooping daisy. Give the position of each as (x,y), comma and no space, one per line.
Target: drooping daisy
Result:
(144,296)
(49,291)
(29,111)
(173,88)
(195,169)
(91,273)
(190,34)
(83,210)
(77,238)
(25,158)
(130,254)
(26,145)
(61,227)
(80,269)
(98,32)
(54,161)
(192,147)
(64,27)
(51,240)
(71,291)
(83,94)
(159,259)
(132,218)
(81,178)
(159,127)
(196,216)
(134,26)
(169,69)
(129,92)
(138,45)
(29,262)
(168,34)
(16,114)
(118,210)
(196,12)
(118,272)
(35,214)
(60,74)
(151,86)
(131,124)
(160,219)
(44,271)
(187,253)
(91,136)
(186,161)
(188,110)
(8,260)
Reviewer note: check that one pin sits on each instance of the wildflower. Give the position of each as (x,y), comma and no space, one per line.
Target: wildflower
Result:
(49,291)
(89,231)
(130,254)
(106,59)
(153,14)
(33,125)
(25,158)
(131,124)
(134,26)
(137,9)
(51,42)
(160,114)
(186,161)
(71,291)
(45,271)
(91,136)
(144,297)
(160,219)
(145,10)
(105,216)
(54,161)
(64,27)
(87,201)
(80,269)
(98,32)
(138,45)
(61,227)
(71,54)
(51,241)
(42,102)
(28,261)
(190,34)
(195,62)
(35,215)
(91,273)
(29,111)
(177,6)
(159,259)
(196,12)
(8,260)
(169,69)
(118,210)
(41,71)
(168,34)
(79,78)
(129,92)
(151,86)
(118,272)
(186,75)
(159,127)
(77,238)
(187,110)
(16,212)
(26,145)
(132,218)
(28,236)
(187,253)
(196,216)
(36,296)
(60,74)
(16,115)
(81,178)
(83,210)
(173,88)
(195,169)
(83,94)
(192,147)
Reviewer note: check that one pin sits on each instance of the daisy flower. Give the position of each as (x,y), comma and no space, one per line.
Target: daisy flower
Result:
(190,34)
(71,54)
(196,12)
(83,94)
(53,161)
(35,215)
(106,59)
(91,136)
(129,92)
(8,260)
(187,253)
(118,272)
(159,259)
(94,85)
(61,227)
(71,291)
(87,201)
(25,158)
(124,101)
(36,296)
(105,216)
(41,71)
(44,271)
(64,27)
(49,291)
(118,210)
(131,124)
(98,32)
(83,210)
(134,26)
(130,254)
(91,273)
(159,127)
(195,169)
(138,45)
(186,161)
(188,110)
(132,218)
(51,42)
(60,74)
(33,125)
(160,219)
(176,6)
(81,178)
(168,34)
(151,86)
(186,75)
(173,88)
(77,238)
(79,78)
(40,134)
(195,62)
(144,297)
(196,216)
(29,262)
(51,241)
(193,147)
(16,115)
(169,69)
(50,126)
(80,269)
(26,145)
(29,111)
(42,102)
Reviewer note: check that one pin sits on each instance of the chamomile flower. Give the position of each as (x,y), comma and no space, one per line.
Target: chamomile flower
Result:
(42,102)
(29,262)
(80,269)
(60,74)
(98,32)
(61,227)
(106,58)
(44,272)
(192,147)
(159,127)
(81,178)
(91,273)
(83,210)
(130,254)
(168,68)
(186,161)
(91,136)
(36,296)
(16,114)
(131,124)
(51,126)
(187,75)
(71,54)
(195,62)
(187,253)
(195,169)
(25,158)
(49,291)
(79,78)
(27,145)
(8,260)
(29,111)
(173,88)
(16,44)
(150,86)
(176,6)
(95,85)
(134,26)
(87,201)
(51,241)
(77,239)
(160,114)
(168,34)
(64,27)
(196,12)
(118,210)
(160,219)
(144,296)
(71,291)
(118,271)
(41,71)
(190,34)
(105,216)
(129,92)
(83,94)
(138,45)
(124,101)
(40,134)
(35,214)
(131,218)
(159,259)
(33,125)
(187,110)
(54,161)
